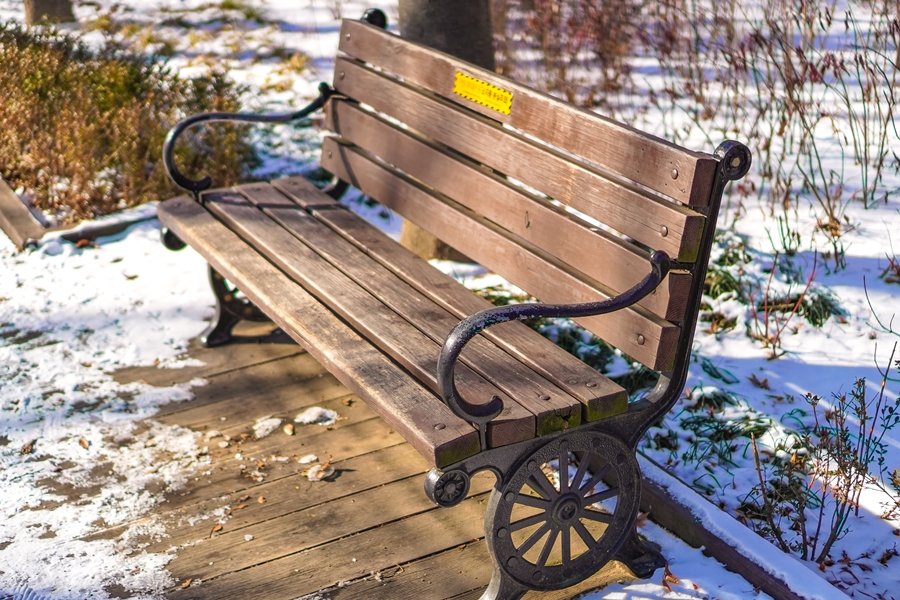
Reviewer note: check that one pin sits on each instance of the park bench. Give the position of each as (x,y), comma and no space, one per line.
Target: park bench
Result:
(568,205)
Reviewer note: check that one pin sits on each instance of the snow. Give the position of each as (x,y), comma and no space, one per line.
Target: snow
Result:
(70,317)
(317,415)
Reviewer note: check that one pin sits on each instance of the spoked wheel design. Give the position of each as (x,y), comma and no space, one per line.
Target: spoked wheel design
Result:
(564,511)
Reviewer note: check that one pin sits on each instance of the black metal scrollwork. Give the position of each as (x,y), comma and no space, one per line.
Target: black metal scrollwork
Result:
(195,187)
(481,414)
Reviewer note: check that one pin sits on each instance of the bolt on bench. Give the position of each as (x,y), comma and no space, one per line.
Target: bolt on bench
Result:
(561,202)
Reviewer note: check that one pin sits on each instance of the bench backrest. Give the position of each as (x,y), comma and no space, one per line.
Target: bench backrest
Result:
(558,200)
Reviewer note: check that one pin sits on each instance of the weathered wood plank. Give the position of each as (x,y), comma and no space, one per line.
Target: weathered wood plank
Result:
(290,494)
(458,573)
(249,382)
(16,221)
(554,410)
(645,159)
(243,398)
(292,533)
(388,390)
(635,331)
(343,440)
(654,222)
(552,362)
(323,566)
(365,313)
(592,251)
(255,343)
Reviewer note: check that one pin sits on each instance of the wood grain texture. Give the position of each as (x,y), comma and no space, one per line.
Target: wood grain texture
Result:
(294,532)
(626,209)
(602,397)
(16,221)
(366,314)
(553,409)
(598,254)
(635,331)
(640,157)
(254,343)
(328,564)
(358,365)
(449,574)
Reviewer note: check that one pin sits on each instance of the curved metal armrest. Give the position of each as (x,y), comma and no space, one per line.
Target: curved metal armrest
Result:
(481,414)
(195,187)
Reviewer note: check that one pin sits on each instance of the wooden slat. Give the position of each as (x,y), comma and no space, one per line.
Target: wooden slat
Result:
(625,209)
(365,313)
(554,410)
(359,366)
(264,344)
(602,397)
(553,413)
(643,158)
(16,220)
(524,266)
(596,253)
(310,527)
(326,565)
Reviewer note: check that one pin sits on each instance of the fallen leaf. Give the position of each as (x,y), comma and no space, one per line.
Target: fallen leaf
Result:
(130,277)
(218,527)
(261,500)
(239,507)
(669,577)
(186,583)
(84,443)
(244,436)
(84,243)
(28,448)
(762,384)
(320,472)
(134,571)
(289,429)
(641,521)
(243,499)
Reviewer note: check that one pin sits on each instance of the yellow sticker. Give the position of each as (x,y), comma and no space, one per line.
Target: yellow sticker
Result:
(483,93)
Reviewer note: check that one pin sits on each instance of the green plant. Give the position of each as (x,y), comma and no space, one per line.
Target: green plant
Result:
(83,129)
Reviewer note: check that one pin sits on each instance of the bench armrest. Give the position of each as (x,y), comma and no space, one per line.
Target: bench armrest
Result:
(195,187)
(481,414)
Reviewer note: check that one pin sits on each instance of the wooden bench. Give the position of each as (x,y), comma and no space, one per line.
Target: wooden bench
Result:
(563,203)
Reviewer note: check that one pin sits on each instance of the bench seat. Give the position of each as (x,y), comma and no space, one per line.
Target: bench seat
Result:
(293,250)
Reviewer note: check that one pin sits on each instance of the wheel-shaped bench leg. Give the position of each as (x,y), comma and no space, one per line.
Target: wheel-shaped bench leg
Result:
(230,310)
(561,513)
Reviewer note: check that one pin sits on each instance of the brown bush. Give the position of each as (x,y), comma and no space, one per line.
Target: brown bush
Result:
(82,129)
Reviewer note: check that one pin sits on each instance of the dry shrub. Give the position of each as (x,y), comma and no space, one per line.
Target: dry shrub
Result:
(582,46)
(83,129)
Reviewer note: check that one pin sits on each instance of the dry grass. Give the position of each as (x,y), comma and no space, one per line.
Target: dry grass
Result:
(83,129)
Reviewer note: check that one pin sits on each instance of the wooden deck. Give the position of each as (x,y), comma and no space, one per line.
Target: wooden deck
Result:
(368,532)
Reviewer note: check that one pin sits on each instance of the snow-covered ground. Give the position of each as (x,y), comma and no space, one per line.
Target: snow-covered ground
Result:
(77,451)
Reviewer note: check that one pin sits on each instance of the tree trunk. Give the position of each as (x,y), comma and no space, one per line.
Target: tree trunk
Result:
(462,29)
(48,11)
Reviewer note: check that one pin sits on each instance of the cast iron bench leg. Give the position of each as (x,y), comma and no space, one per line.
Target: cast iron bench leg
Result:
(230,310)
